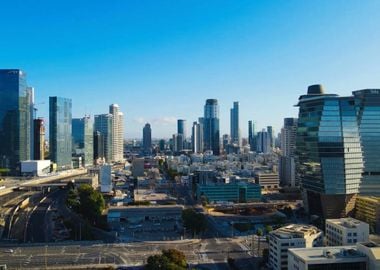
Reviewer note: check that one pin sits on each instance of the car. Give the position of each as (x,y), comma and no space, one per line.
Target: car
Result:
(8,250)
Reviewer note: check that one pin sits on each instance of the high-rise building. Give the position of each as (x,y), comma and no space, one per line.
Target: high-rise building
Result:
(211,130)
(180,143)
(197,138)
(234,125)
(329,158)
(39,139)
(288,146)
(271,136)
(263,142)
(98,145)
(16,118)
(83,139)
(117,135)
(367,104)
(60,132)
(147,139)
(251,135)
(181,128)
(103,124)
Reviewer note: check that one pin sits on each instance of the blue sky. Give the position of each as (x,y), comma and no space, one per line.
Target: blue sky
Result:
(160,60)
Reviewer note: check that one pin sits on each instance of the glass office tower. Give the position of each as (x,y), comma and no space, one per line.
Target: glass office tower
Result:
(367,103)
(103,124)
(60,132)
(16,120)
(83,139)
(211,131)
(329,157)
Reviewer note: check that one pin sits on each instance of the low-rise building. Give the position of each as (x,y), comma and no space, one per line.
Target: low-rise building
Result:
(267,180)
(35,167)
(231,192)
(367,209)
(291,236)
(346,231)
(363,256)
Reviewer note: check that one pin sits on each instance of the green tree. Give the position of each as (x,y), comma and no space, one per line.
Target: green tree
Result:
(170,259)
(268,228)
(175,256)
(195,222)
(91,202)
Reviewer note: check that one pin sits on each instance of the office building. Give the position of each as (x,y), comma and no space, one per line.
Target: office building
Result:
(211,130)
(363,256)
(267,180)
(329,158)
(252,135)
(197,138)
(138,167)
(39,139)
(147,139)
(288,146)
(367,103)
(16,118)
(291,236)
(117,134)
(263,142)
(271,136)
(181,129)
(327,258)
(103,125)
(60,142)
(234,124)
(98,146)
(346,231)
(83,140)
(179,143)
(105,178)
(367,209)
(239,192)
(162,145)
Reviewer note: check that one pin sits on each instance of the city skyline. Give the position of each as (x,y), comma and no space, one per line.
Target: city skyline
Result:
(141,55)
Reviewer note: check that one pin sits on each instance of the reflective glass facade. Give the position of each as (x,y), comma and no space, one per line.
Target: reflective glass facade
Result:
(83,139)
(329,157)
(60,140)
(211,130)
(16,119)
(103,124)
(367,103)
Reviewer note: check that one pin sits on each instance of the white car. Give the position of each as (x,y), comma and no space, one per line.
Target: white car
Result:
(8,251)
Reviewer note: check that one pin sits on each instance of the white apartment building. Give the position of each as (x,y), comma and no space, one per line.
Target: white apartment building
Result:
(346,231)
(117,133)
(291,236)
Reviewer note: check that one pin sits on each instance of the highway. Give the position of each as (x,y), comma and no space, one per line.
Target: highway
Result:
(207,251)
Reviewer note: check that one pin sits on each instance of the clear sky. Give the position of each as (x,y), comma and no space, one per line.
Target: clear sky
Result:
(160,60)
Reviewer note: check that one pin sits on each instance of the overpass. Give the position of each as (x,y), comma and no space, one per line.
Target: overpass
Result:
(44,180)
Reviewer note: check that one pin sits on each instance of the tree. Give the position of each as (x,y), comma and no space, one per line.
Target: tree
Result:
(170,259)
(195,222)
(268,228)
(175,256)
(259,233)
(91,202)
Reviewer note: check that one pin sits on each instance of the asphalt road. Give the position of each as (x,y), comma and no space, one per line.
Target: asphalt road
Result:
(212,252)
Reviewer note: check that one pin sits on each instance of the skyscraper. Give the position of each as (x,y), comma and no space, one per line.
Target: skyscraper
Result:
(263,142)
(271,136)
(367,103)
(181,127)
(60,132)
(83,139)
(147,139)
(117,135)
(288,146)
(234,124)
(16,119)
(103,124)
(39,139)
(211,131)
(329,159)
(197,138)
(98,145)
(251,135)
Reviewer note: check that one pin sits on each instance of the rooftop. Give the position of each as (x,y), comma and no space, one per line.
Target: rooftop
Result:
(346,222)
(295,231)
(327,253)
